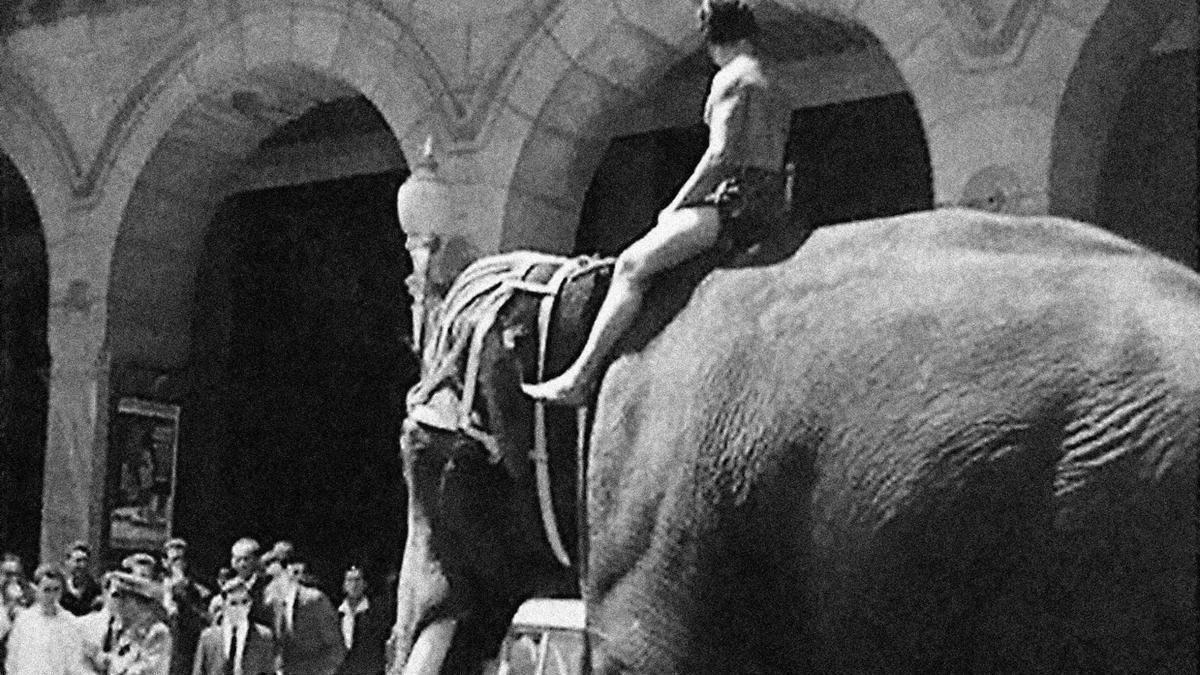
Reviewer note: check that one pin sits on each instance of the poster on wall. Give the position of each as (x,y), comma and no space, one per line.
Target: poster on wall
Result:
(144,443)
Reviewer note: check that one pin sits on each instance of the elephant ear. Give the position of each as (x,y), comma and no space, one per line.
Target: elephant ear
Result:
(439,411)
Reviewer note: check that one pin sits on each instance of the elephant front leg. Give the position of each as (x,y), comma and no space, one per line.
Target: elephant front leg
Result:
(630,631)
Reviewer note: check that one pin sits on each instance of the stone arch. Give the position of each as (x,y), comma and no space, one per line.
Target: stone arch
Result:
(594,62)
(34,140)
(183,152)
(1117,43)
(210,111)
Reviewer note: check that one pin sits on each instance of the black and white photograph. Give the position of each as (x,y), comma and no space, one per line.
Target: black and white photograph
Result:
(589,337)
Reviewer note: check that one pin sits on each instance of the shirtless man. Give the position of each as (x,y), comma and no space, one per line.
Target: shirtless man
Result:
(738,183)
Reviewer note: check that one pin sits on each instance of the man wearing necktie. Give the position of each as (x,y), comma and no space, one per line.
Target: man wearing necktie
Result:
(236,645)
(310,636)
(101,628)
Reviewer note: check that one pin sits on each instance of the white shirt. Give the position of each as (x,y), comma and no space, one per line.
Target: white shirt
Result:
(235,650)
(349,616)
(44,644)
(289,607)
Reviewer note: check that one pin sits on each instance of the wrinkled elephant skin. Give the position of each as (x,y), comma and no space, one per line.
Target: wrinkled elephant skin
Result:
(948,441)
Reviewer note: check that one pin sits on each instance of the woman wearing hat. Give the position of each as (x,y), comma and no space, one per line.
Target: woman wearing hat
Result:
(144,645)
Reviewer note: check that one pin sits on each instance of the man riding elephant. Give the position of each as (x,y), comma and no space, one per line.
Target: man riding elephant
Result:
(947,441)
(737,188)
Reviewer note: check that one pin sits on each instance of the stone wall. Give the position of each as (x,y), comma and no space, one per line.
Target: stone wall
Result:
(131,124)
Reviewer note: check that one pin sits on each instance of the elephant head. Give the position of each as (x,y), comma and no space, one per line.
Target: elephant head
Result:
(476,544)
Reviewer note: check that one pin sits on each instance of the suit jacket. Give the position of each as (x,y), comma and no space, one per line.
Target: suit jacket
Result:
(260,610)
(314,644)
(190,617)
(258,656)
(371,630)
(81,604)
(99,631)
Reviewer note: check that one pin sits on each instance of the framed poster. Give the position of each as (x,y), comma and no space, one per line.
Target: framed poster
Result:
(144,443)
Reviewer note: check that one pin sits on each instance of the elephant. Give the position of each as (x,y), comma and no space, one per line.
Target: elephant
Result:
(947,441)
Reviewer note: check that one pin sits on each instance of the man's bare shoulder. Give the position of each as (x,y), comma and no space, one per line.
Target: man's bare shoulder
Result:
(739,73)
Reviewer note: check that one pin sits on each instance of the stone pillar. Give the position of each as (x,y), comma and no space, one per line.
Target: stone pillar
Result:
(76,438)
(77,420)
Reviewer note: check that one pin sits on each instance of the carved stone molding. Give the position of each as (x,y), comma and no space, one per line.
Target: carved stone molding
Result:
(989,34)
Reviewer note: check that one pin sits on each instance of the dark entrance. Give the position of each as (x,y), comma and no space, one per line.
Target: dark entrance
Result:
(854,160)
(860,159)
(1147,180)
(24,365)
(295,430)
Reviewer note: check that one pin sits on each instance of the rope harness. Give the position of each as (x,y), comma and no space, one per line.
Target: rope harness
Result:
(468,313)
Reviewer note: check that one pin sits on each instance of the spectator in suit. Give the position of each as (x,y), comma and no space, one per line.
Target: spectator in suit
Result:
(273,567)
(244,560)
(308,630)
(365,627)
(236,645)
(101,628)
(224,576)
(186,602)
(82,590)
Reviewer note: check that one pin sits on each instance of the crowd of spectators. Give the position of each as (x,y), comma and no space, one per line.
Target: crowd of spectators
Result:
(263,615)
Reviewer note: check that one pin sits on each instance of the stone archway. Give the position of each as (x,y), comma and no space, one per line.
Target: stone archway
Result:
(607,72)
(1104,72)
(24,364)
(1124,145)
(186,309)
(298,364)
(131,238)
(1146,187)
(213,131)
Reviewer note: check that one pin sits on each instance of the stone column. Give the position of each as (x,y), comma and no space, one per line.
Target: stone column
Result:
(76,438)
(77,423)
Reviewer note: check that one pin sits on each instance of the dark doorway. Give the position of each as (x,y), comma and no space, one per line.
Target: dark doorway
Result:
(854,160)
(637,177)
(310,389)
(860,159)
(24,365)
(1147,189)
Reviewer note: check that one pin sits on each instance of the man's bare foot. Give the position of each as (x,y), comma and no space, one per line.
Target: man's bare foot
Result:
(566,389)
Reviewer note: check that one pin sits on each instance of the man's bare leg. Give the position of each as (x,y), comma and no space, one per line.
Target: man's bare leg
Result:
(679,235)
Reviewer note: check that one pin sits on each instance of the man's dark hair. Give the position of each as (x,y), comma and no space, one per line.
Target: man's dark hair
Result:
(49,570)
(724,22)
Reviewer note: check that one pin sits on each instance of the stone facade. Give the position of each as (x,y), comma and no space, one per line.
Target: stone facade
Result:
(130,123)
